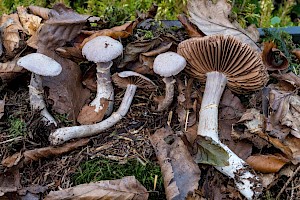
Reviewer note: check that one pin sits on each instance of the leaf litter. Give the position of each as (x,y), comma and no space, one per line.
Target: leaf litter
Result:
(269,142)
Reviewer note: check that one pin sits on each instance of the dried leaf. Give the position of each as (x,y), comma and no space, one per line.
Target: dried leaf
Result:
(273,58)
(36,154)
(267,163)
(13,37)
(88,115)
(9,181)
(290,78)
(10,70)
(125,189)
(30,22)
(90,79)
(134,49)
(40,11)
(213,18)
(294,144)
(285,110)
(2,104)
(191,29)
(73,53)
(181,174)
(211,153)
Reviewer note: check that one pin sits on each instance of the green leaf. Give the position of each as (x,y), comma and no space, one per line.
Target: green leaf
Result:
(211,153)
(275,20)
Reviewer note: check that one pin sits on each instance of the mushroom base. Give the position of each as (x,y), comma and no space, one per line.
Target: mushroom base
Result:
(246,181)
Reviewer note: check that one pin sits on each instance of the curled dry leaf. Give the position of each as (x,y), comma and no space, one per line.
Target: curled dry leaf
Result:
(30,22)
(285,111)
(273,58)
(40,11)
(36,154)
(289,78)
(12,34)
(88,115)
(10,70)
(294,144)
(213,18)
(126,188)
(190,28)
(181,174)
(267,163)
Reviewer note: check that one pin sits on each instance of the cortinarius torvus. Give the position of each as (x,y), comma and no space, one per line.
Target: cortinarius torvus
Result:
(101,50)
(168,65)
(39,65)
(127,79)
(222,60)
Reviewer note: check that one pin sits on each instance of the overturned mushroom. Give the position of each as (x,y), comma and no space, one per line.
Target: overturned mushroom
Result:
(40,65)
(101,50)
(220,60)
(127,79)
(168,65)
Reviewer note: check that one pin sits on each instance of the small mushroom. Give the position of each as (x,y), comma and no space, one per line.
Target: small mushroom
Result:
(168,65)
(102,50)
(220,60)
(127,79)
(39,65)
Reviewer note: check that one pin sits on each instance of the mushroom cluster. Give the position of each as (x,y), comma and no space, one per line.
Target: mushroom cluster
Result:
(220,61)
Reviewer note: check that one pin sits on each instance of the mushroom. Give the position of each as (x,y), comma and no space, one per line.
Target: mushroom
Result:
(168,65)
(127,79)
(39,65)
(220,60)
(102,50)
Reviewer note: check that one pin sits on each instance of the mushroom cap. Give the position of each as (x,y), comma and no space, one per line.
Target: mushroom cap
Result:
(102,49)
(40,64)
(168,64)
(242,66)
(125,78)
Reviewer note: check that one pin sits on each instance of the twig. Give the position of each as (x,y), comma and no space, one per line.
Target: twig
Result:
(287,182)
(12,140)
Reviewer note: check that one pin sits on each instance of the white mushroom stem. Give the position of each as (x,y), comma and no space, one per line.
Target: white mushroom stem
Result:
(246,181)
(37,100)
(104,88)
(62,135)
(169,94)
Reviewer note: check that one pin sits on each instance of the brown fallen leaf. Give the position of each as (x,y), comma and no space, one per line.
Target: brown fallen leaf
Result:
(90,79)
(190,28)
(88,115)
(10,70)
(267,163)
(290,78)
(72,53)
(2,104)
(30,22)
(36,154)
(273,58)
(40,11)
(9,181)
(134,49)
(12,34)
(212,17)
(296,52)
(294,144)
(126,188)
(181,174)
(285,111)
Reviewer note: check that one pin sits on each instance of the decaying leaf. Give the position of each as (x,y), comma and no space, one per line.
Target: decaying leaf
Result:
(12,35)
(294,144)
(296,52)
(73,53)
(181,174)
(90,79)
(209,152)
(289,78)
(126,188)
(36,154)
(267,163)
(2,104)
(213,18)
(285,108)
(10,70)
(134,49)
(30,22)
(40,11)
(273,58)
(9,181)
(88,115)
(253,120)
(191,29)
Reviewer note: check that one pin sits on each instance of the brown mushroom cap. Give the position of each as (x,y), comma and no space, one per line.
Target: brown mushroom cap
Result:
(242,66)
(125,78)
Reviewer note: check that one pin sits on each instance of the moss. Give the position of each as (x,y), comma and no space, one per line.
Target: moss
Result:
(102,169)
